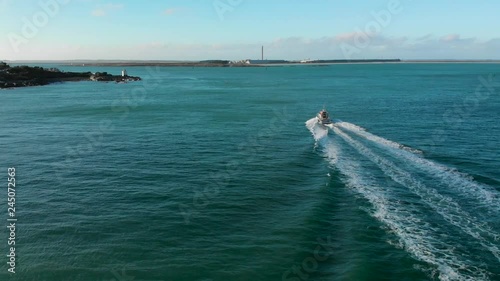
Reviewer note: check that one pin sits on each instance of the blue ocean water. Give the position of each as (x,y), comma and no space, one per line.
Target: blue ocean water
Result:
(213,174)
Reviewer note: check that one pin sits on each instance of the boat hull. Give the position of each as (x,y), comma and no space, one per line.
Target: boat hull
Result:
(324,121)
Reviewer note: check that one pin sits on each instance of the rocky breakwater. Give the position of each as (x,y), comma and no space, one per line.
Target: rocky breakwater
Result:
(106,77)
(25,76)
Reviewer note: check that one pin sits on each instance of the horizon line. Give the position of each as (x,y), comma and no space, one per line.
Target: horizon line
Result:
(181,60)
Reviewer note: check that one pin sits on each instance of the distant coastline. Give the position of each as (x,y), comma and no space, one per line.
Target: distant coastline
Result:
(227,63)
(244,63)
(25,76)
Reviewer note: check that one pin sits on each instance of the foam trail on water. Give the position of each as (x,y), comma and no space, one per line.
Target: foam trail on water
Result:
(415,235)
(443,205)
(386,142)
(486,195)
(317,130)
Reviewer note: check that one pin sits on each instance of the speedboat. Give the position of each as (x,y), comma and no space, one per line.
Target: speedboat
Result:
(323,118)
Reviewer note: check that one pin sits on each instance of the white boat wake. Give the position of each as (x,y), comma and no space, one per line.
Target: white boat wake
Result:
(453,179)
(421,238)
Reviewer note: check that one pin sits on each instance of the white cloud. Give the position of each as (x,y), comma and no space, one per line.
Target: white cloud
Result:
(103,10)
(291,48)
(349,36)
(98,13)
(450,38)
(169,11)
(424,38)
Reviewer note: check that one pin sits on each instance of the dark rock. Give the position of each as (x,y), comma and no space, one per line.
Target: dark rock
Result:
(3,65)
(25,76)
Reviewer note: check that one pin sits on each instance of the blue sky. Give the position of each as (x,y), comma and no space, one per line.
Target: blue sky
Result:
(235,29)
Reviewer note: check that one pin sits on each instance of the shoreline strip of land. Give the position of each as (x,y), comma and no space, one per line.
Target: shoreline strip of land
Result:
(242,63)
(27,76)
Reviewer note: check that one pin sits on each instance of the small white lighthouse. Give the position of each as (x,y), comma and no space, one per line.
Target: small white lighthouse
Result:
(124,73)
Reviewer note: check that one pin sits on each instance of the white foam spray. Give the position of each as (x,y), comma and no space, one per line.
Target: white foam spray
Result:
(316,129)
(415,235)
(485,195)
(443,205)
(381,140)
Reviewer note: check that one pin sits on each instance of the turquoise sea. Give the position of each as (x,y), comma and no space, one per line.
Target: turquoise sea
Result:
(213,174)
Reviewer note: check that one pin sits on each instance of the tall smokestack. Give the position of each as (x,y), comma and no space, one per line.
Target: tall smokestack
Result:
(262,53)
